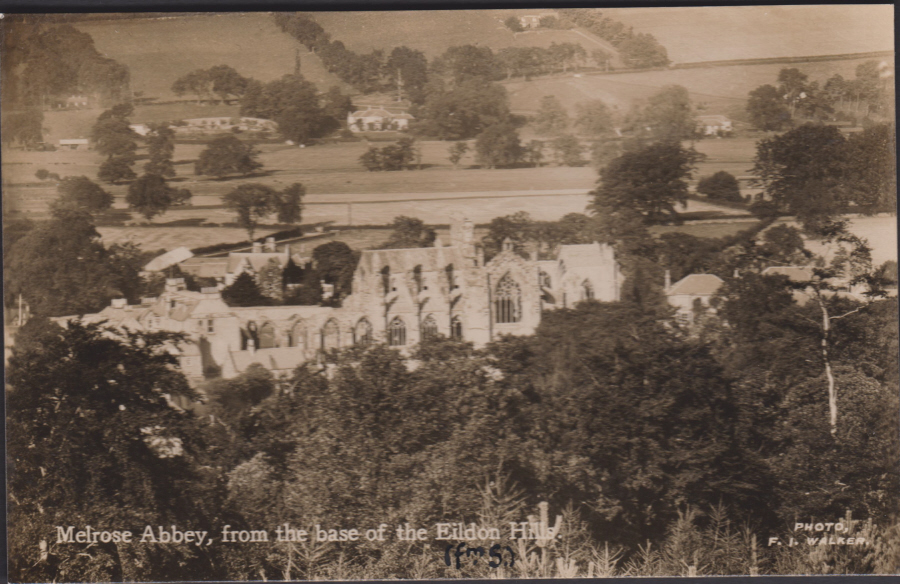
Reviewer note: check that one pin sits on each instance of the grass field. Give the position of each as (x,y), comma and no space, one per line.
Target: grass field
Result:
(745,32)
(720,89)
(160,51)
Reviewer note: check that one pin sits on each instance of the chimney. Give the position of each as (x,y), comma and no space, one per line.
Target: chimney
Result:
(174,284)
(270,244)
(251,346)
(668,284)
(257,247)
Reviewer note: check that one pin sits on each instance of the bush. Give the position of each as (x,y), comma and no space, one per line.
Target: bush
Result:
(722,186)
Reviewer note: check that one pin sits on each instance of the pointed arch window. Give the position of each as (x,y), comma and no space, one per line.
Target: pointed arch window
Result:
(456,328)
(267,336)
(587,290)
(507,301)
(331,336)
(429,327)
(362,333)
(298,336)
(397,332)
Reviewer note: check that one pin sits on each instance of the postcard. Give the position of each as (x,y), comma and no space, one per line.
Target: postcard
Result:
(501,293)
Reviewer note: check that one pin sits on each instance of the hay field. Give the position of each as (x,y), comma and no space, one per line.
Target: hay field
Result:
(721,89)
(161,50)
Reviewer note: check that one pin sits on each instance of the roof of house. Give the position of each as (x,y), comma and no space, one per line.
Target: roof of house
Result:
(794,273)
(696,285)
(275,359)
(719,119)
(74,141)
(404,116)
(582,255)
(167,259)
(372,113)
(205,267)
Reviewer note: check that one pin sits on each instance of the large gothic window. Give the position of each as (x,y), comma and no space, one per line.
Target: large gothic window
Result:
(362,334)
(456,329)
(429,327)
(298,336)
(267,336)
(397,332)
(330,336)
(587,290)
(507,301)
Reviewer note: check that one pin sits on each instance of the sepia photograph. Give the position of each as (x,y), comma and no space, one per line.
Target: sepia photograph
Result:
(438,294)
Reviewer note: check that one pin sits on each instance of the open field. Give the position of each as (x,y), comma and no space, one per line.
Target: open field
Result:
(161,51)
(721,89)
(434,31)
(745,32)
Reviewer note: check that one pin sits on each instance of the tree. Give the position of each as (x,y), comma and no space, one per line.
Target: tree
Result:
(457,150)
(464,111)
(551,118)
(371,159)
(80,192)
(293,103)
(720,186)
(649,182)
(161,149)
(517,228)
(568,150)
(803,173)
(23,127)
(290,203)
(271,280)
(766,109)
(408,69)
(151,196)
(871,168)
(227,155)
(196,82)
(792,86)
(467,63)
(498,145)
(643,51)
(252,202)
(513,24)
(534,152)
(335,263)
(98,394)
(113,138)
(337,105)
(593,118)
(409,232)
(227,82)
(601,58)
(669,114)
(116,169)
(244,291)
(232,399)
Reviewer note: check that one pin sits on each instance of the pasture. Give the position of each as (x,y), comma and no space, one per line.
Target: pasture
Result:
(718,90)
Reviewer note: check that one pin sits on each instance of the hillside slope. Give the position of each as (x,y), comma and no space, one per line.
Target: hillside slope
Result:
(160,50)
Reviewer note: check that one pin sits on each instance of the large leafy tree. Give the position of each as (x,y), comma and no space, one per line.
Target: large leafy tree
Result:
(293,103)
(60,267)
(289,205)
(551,118)
(101,446)
(113,138)
(721,186)
(227,155)
(251,203)
(245,291)
(464,111)
(161,149)
(766,108)
(669,114)
(593,118)
(409,68)
(409,232)
(499,146)
(334,264)
(648,182)
(80,192)
(150,196)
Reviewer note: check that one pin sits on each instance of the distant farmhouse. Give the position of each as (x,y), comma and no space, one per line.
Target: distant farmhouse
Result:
(714,125)
(533,20)
(74,144)
(206,126)
(378,119)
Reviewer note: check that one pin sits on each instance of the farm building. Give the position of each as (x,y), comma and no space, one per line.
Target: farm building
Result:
(463,297)
(377,120)
(534,20)
(74,144)
(715,125)
(691,295)
(201,126)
